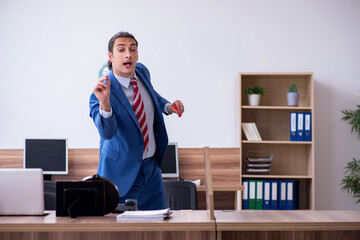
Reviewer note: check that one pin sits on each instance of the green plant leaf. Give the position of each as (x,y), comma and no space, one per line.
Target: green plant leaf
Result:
(293,88)
(254,90)
(351,182)
(353,118)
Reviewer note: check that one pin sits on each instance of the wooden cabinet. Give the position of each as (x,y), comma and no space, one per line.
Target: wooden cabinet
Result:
(293,160)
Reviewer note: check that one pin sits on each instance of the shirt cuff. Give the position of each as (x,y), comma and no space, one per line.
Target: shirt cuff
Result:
(165,108)
(105,114)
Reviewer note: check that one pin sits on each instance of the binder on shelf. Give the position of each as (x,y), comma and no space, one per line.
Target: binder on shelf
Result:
(259,195)
(252,193)
(292,195)
(274,195)
(293,127)
(258,137)
(282,195)
(267,195)
(252,131)
(250,127)
(245,196)
(300,126)
(246,131)
(307,127)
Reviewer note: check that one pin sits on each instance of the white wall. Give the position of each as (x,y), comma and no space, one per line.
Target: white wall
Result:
(51,52)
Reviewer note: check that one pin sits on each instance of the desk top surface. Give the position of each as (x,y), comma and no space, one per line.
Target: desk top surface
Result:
(228,187)
(254,220)
(180,221)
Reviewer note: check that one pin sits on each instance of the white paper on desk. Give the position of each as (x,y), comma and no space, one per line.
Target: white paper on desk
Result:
(144,215)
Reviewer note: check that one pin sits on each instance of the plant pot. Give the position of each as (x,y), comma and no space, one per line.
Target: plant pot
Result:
(292,98)
(254,99)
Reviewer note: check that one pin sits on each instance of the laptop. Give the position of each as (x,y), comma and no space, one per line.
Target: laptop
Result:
(21,191)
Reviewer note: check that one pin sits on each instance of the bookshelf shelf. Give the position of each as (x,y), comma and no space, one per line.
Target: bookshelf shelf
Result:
(277,107)
(278,176)
(292,160)
(276,142)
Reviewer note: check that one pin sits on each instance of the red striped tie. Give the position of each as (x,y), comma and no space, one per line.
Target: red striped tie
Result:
(138,106)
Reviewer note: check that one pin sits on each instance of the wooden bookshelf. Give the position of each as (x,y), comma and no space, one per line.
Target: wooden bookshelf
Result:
(292,159)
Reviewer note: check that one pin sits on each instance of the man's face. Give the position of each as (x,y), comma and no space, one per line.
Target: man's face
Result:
(124,57)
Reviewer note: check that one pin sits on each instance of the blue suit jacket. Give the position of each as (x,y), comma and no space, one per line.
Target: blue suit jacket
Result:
(121,141)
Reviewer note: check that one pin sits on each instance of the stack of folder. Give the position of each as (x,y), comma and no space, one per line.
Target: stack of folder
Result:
(145,215)
(258,162)
(300,126)
(251,132)
(270,194)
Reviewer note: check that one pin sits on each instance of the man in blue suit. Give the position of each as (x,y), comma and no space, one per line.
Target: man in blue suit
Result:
(131,147)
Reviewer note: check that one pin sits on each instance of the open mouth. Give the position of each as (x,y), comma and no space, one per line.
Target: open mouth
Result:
(127,64)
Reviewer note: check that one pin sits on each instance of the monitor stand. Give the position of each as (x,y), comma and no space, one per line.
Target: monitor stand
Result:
(47,177)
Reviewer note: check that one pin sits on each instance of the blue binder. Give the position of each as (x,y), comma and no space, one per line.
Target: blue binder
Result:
(267,195)
(293,127)
(307,126)
(292,195)
(274,195)
(282,195)
(245,196)
(300,126)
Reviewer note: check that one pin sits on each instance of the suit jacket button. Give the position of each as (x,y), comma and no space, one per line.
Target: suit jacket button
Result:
(139,160)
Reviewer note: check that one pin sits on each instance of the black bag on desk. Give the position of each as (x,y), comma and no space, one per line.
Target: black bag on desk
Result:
(94,196)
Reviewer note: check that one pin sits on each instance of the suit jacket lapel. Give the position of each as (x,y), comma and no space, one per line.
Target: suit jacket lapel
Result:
(120,95)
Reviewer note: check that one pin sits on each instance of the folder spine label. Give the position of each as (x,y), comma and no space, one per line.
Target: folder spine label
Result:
(252,191)
(293,127)
(274,195)
(307,136)
(245,196)
(282,195)
(300,126)
(259,194)
(267,195)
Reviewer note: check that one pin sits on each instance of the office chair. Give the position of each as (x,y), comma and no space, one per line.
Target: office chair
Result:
(180,194)
(50,195)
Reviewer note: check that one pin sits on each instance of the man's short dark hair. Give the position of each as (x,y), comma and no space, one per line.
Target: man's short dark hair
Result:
(112,40)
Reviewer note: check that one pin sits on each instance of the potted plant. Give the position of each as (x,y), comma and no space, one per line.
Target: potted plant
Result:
(293,96)
(351,182)
(255,94)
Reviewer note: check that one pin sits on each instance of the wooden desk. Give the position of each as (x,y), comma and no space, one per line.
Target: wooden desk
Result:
(298,224)
(183,225)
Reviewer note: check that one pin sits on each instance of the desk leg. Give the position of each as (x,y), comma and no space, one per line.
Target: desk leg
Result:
(218,235)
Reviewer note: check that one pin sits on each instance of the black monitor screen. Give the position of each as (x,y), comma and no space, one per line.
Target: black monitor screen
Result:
(51,155)
(170,164)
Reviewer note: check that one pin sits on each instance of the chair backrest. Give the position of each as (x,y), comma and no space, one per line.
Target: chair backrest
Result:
(208,184)
(50,195)
(180,194)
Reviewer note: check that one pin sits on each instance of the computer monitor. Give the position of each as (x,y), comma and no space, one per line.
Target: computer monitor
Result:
(51,155)
(170,163)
